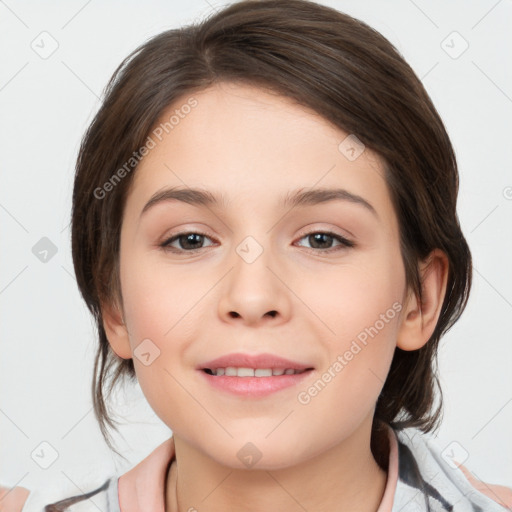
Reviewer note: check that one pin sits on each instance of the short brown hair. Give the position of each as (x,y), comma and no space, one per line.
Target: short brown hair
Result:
(323,59)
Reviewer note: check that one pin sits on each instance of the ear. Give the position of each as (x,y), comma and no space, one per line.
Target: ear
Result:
(420,319)
(116,331)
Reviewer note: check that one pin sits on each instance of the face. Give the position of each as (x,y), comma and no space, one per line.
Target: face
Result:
(320,282)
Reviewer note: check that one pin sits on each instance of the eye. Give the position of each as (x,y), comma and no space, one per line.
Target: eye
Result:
(323,239)
(189,241)
(192,241)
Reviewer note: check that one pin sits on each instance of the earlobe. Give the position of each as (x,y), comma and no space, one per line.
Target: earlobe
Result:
(116,331)
(420,319)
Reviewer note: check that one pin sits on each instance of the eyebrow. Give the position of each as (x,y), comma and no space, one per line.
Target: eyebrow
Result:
(201,197)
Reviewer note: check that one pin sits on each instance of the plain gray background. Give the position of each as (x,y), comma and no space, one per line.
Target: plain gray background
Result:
(47,339)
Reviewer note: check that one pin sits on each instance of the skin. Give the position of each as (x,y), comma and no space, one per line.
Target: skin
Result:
(254,147)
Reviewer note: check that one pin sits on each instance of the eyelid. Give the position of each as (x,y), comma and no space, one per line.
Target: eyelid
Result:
(184,231)
(327,230)
(345,236)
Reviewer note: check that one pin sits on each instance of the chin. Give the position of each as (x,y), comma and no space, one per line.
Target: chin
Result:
(258,455)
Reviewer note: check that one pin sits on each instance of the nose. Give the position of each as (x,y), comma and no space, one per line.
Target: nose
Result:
(255,292)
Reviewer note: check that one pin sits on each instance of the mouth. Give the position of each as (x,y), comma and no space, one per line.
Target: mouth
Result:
(253,365)
(232,371)
(254,376)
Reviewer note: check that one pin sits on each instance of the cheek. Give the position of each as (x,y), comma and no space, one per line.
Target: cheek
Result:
(359,308)
(158,302)
(347,387)
(153,318)
(163,308)
(350,298)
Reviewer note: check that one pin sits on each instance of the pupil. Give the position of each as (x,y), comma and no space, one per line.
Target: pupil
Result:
(317,237)
(189,240)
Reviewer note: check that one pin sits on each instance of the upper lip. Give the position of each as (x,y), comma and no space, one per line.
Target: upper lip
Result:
(239,360)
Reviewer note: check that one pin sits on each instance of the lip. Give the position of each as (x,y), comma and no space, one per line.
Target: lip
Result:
(254,387)
(241,360)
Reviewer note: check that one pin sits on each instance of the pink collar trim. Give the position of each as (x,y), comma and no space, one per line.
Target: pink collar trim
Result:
(389,492)
(143,487)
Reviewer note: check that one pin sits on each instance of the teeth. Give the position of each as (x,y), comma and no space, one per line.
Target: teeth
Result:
(263,372)
(243,372)
(232,371)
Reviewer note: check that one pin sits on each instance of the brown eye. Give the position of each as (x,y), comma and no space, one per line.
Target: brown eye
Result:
(323,241)
(187,242)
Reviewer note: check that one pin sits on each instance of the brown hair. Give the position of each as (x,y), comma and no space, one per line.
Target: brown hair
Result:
(323,59)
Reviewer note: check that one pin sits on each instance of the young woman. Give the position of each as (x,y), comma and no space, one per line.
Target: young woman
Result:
(264,227)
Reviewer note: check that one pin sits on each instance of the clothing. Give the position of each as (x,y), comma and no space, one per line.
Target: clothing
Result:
(419,479)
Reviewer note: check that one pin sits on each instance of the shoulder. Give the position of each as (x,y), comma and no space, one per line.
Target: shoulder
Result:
(432,476)
(12,499)
(143,483)
(96,496)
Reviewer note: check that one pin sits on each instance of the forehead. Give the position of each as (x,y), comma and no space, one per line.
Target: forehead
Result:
(253,146)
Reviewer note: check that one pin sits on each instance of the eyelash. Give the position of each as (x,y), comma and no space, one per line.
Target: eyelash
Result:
(345,243)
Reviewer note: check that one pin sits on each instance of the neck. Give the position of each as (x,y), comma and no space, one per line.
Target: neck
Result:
(346,477)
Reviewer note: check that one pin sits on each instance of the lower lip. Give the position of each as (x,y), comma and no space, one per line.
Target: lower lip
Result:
(255,386)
